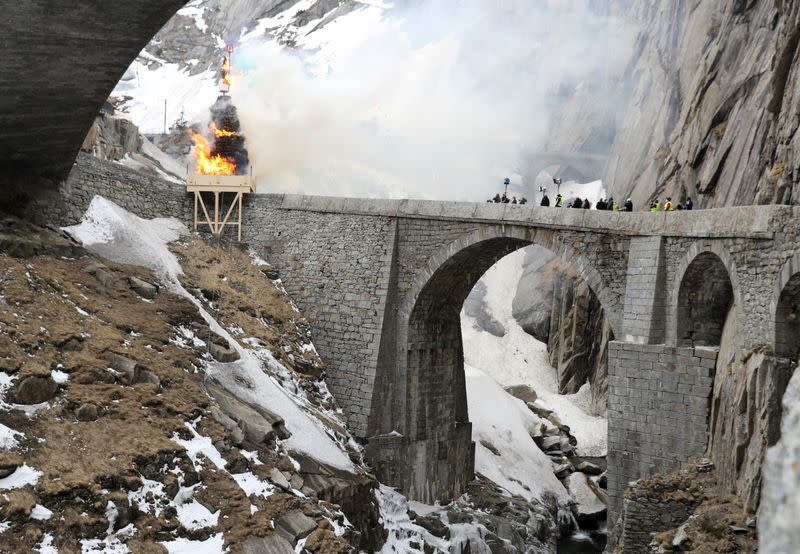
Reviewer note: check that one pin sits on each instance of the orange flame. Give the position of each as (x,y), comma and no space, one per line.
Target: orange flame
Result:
(207,164)
(221,132)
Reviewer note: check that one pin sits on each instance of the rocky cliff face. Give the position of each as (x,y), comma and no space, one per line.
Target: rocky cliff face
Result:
(709,104)
(553,304)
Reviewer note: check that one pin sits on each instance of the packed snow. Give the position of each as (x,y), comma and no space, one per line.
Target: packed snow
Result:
(212,545)
(41,513)
(505,423)
(194,516)
(514,359)
(121,236)
(9,437)
(23,476)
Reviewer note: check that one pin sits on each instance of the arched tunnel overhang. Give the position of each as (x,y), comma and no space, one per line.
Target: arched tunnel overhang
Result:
(61,60)
(705,296)
(436,457)
(786,310)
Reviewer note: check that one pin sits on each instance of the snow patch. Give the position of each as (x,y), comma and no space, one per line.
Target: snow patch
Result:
(212,545)
(116,234)
(46,546)
(8,437)
(59,377)
(505,423)
(41,513)
(22,477)
(194,516)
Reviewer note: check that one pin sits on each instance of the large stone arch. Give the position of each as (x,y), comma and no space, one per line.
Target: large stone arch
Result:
(437,451)
(706,286)
(785,309)
(546,238)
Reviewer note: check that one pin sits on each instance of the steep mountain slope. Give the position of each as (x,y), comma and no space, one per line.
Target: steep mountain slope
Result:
(124,421)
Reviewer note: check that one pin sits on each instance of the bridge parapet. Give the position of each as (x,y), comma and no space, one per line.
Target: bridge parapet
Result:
(758,222)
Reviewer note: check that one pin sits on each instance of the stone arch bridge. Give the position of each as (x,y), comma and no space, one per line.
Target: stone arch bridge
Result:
(383,283)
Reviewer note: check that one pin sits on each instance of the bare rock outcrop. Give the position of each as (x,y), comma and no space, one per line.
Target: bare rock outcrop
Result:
(711,101)
(553,304)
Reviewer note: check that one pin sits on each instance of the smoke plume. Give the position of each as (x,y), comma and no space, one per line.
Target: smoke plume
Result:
(438,99)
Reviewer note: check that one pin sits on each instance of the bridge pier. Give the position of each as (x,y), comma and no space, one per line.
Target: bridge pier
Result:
(659,403)
(435,469)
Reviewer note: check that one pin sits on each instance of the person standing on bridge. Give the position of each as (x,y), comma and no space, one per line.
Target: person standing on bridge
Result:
(601,205)
(496,198)
(559,201)
(586,204)
(689,205)
(545,201)
(628,205)
(614,206)
(668,204)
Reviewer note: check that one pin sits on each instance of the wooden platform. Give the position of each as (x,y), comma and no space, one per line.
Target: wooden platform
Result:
(219,186)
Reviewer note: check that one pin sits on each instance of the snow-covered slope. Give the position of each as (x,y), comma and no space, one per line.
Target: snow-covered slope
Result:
(518,358)
(126,238)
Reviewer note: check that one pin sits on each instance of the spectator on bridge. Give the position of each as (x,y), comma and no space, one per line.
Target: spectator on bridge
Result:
(504,199)
(655,206)
(679,207)
(559,201)
(523,200)
(610,203)
(628,205)
(668,204)
(576,203)
(615,206)
(601,204)
(689,204)
(586,204)
(496,198)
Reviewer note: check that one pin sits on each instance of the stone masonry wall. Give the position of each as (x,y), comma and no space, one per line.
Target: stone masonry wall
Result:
(337,268)
(658,417)
(644,515)
(144,195)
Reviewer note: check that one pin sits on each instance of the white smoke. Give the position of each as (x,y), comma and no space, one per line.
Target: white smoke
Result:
(438,100)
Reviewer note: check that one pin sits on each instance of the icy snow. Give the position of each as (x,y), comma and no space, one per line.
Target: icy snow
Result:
(23,476)
(149,88)
(59,377)
(197,445)
(41,513)
(506,423)
(195,11)
(212,545)
(123,237)
(518,358)
(8,437)
(46,546)
(194,516)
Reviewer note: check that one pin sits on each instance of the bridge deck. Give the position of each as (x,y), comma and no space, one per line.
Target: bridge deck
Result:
(760,222)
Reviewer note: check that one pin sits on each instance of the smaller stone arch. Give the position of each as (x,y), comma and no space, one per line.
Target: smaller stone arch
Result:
(785,306)
(706,288)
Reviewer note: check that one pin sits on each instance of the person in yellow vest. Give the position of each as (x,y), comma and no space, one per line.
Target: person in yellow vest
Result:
(668,204)
(615,206)
(655,206)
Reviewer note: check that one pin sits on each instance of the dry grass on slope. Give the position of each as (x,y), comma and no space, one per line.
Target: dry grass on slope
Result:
(101,437)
